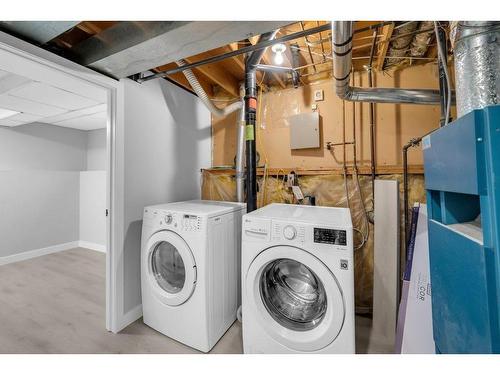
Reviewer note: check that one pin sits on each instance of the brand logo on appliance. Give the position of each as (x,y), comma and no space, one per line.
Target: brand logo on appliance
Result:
(344,264)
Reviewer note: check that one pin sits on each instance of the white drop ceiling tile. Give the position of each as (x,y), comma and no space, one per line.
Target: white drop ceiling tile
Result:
(26,118)
(27,106)
(89,122)
(46,94)
(11,81)
(9,122)
(75,114)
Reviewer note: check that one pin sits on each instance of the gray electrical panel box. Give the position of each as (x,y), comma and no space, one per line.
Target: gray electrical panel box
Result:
(304,131)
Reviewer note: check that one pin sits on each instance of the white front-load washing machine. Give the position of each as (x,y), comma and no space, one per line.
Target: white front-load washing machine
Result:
(298,280)
(190,269)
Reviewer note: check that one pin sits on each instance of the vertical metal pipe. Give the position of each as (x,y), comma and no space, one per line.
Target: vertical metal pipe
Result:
(412,143)
(250,120)
(372,117)
(240,157)
(405,199)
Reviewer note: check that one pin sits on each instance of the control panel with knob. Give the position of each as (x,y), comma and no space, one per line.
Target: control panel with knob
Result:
(289,232)
(168,219)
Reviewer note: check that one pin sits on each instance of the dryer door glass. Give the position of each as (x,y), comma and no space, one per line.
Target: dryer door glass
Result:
(293,294)
(168,267)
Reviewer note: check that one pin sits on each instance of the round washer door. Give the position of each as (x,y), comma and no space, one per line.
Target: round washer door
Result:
(171,268)
(295,297)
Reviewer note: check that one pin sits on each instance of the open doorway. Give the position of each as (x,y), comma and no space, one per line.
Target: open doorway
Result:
(54,195)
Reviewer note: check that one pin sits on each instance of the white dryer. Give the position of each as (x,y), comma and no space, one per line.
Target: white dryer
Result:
(298,280)
(190,269)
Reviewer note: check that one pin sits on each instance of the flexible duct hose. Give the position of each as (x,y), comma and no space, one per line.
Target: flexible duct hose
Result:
(193,81)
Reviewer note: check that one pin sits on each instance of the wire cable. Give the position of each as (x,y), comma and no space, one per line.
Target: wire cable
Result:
(444,62)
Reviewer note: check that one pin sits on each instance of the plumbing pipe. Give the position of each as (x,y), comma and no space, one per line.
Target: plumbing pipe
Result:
(250,119)
(342,32)
(240,157)
(193,81)
(280,69)
(412,143)
(372,120)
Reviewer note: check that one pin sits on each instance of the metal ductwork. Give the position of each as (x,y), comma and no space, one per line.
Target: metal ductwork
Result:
(477,64)
(132,47)
(342,65)
(37,31)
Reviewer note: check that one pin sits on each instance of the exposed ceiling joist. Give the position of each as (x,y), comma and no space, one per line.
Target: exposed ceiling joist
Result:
(220,77)
(181,80)
(387,31)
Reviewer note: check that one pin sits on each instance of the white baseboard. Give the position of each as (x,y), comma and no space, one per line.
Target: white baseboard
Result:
(92,246)
(37,252)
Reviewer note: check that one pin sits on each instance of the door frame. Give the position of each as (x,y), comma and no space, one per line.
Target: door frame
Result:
(26,58)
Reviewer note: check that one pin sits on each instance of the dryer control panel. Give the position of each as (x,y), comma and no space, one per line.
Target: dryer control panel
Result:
(190,223)
(287,231)
(176,221)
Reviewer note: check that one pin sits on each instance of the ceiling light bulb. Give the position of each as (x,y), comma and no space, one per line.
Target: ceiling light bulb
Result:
(278,58)
(278,49)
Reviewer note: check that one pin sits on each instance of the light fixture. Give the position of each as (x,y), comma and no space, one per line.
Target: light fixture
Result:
(4,113)
(278,49)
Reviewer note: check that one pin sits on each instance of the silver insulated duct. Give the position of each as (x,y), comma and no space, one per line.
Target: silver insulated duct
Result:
(477,64)
(342,64)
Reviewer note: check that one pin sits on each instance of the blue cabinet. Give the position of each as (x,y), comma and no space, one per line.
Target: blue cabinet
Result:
(462,179)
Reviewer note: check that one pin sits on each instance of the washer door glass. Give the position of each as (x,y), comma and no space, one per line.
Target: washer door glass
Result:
(168,267)
(293,294)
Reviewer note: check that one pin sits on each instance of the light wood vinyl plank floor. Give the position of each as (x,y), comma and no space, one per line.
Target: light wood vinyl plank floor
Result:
(56,304)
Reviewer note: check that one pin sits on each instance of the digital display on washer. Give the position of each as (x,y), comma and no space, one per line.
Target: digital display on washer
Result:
(330,236)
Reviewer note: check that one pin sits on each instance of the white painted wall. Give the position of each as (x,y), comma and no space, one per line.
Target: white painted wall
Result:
(42,146)
(166,141)
(92,217)
(96,150)
(38,209)
(47,197)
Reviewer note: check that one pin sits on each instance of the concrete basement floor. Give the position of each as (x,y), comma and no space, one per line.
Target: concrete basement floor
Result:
(56,304)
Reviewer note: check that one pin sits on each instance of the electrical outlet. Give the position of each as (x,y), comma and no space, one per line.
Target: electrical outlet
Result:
(318,95)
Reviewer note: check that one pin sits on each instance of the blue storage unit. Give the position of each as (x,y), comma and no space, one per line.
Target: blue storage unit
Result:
(462,179)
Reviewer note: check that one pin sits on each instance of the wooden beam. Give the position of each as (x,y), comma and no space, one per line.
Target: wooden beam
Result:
(89,27)
(362,170)
(219,76)
(266,60)
(181,80)
(238,60)
(384,45)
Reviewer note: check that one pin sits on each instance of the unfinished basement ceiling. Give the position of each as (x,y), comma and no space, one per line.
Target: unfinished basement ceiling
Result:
(38,102)
(125,48)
